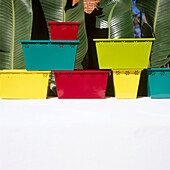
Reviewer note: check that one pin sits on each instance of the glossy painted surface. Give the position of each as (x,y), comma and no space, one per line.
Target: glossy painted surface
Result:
(81,84)
(49,55)
(22,84)
(64,30)
(159,82)
(123,53)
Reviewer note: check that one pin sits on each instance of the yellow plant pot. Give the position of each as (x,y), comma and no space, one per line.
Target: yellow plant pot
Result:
(126,83)
(22,84)
(129,53)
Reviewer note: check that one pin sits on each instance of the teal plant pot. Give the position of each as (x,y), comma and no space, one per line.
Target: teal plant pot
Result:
(159,82)
(49,55)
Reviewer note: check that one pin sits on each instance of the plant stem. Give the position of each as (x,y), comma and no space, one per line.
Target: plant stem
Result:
(156,15)
(13,34)
(110,17)
(63,11)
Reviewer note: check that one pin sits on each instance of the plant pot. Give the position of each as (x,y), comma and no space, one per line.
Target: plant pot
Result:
(49,55)
(64,30)
(123,53)
(126,83)
(81,84)
(22,84)
(159,82)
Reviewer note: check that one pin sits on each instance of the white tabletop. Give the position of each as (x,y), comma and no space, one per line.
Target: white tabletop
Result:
(107,134)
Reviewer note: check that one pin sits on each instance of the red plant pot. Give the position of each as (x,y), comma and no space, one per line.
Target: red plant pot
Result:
(64,30)
(81,84)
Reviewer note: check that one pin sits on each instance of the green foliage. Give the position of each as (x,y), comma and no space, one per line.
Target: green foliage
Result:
(53,10)
(76,14)
(117,16)
(156,12)
(16,24)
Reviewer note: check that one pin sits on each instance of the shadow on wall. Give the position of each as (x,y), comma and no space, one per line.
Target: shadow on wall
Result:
(39,28)
(93,32)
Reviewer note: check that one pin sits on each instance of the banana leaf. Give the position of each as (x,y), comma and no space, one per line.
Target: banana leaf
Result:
(117,17)
(53,9)
(16,24)
(157,15)
(76,14)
